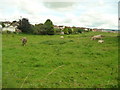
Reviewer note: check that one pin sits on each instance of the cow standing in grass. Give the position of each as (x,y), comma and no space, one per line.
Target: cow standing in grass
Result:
(24,41)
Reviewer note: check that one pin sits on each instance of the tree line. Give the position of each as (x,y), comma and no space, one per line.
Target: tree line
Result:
(45,29)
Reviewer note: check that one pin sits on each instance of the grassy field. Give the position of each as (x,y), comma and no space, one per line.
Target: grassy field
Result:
(51,62)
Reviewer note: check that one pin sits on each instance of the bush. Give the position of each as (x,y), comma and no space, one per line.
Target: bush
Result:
(44,29)
(80,30)
(65,30)
(39,29)
(48,27)
(25,26)
(57,31)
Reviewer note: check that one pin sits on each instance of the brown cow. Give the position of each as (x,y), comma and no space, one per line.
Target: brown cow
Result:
(97,37)
(24,41)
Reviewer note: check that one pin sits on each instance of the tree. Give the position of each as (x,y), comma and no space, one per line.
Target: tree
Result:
(77,30)
(69,30)
(57,31)
(65,30)
(2,25)
(25,26)
(39,29)
(74,30)
(80,30)
(48,27)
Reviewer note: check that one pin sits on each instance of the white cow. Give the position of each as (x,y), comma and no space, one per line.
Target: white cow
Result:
(100,41)
(61,37)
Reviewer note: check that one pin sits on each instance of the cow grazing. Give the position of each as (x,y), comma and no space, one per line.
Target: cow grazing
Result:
(100,41)
(97,37)
(61,37)
(24,41)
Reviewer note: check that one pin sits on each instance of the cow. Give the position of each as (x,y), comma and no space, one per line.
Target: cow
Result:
(24,41)
(97,37)
(100,41)
(61,37)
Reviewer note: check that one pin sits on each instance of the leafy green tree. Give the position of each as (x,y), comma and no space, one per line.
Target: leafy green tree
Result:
(25,26)
(77,30)
(69,30)
(2,25)
(65,30)
(48,27)
(80,30)
(74,30)
(39,29)
(57,31)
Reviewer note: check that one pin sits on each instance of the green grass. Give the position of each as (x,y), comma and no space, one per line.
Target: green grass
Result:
(51,62)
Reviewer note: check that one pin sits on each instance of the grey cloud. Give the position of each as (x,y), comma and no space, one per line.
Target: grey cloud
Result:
(95,24)
(59,5)
(67,21)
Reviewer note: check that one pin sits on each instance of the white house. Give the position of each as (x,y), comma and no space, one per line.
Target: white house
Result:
(9,28)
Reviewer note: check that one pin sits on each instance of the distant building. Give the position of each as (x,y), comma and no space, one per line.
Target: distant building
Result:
(61,27)
(97,30)
(105,30)
(6,23)
(10,26)
(56,27)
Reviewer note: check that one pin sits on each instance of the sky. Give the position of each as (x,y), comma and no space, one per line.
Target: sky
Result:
(79,13)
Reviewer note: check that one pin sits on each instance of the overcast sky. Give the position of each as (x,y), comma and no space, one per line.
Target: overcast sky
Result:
(82,13)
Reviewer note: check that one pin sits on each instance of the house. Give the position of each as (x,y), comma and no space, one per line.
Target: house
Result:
(10,26)
(97,30)
(86,29)
(6,23)
(61,27)
(56,27)
(110,30)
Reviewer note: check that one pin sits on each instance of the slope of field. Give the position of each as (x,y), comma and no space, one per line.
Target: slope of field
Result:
(51,62)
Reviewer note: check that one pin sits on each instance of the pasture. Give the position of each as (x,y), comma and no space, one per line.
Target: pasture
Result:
(51,62)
